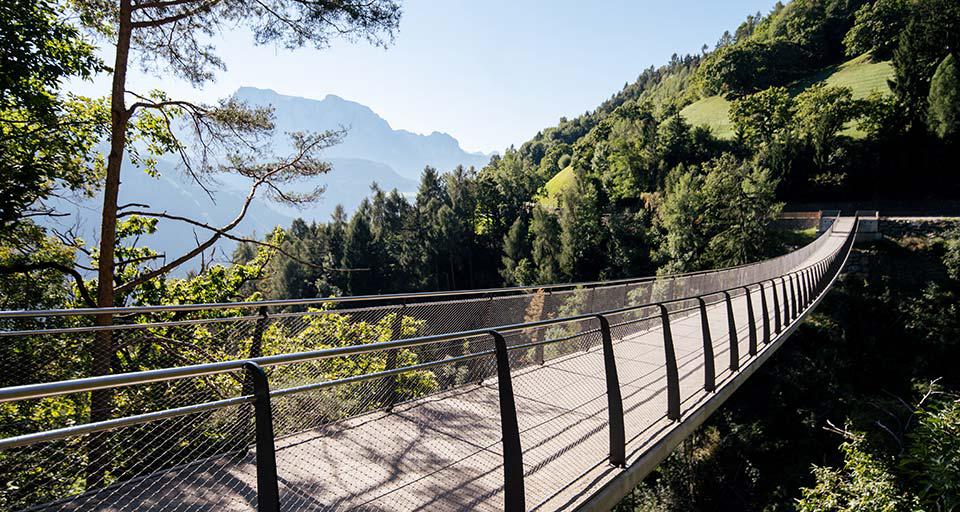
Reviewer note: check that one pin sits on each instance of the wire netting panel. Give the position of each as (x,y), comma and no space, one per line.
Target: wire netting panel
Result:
(440,437)
(562,413)
(204,459)
(367,424)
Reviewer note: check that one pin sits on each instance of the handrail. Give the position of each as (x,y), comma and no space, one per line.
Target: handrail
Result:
(149,376)
(807,288)
(120,310)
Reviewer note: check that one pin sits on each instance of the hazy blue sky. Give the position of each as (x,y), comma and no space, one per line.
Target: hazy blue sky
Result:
(491,73)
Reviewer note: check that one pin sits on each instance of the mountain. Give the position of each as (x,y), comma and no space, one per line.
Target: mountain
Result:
(369,136)
(172,193)
(371,152)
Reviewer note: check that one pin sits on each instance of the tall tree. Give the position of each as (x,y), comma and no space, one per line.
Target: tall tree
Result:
(46,137)
(171,38)
(359,256)
(877,28)
(943,115)
(821,114)
(545,241)
(932,33)
(430,200)
(516,268)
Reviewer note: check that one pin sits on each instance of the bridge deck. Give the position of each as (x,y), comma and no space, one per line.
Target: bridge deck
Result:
(444,452)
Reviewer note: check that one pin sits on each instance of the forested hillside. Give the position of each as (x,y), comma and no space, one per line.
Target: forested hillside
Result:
(682,169)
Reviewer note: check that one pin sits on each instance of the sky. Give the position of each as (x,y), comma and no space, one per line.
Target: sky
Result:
(490,73)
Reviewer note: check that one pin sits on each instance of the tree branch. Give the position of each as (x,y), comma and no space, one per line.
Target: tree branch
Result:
(150,23)
(225,234)
(24,267)
(126,287)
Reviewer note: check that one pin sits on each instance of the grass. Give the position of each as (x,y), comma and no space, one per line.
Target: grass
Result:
(860,74)
(557,184)
(712,112)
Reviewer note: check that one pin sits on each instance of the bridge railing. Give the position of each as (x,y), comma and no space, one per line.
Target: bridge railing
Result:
(65,344)
(218,426)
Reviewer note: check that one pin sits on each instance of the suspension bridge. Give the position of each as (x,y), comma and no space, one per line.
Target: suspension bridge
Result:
(547,398)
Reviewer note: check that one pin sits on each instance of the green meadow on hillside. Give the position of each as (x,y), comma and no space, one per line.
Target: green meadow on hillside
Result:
(860,74)
(557,184)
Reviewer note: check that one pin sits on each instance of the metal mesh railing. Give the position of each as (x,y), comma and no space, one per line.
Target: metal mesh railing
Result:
(398,404)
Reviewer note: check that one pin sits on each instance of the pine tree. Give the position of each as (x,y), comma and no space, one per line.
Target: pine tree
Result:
(359,259)
(545,235)
(516,266)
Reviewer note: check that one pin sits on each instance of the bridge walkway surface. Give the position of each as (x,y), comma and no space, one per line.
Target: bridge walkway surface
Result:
(445,451)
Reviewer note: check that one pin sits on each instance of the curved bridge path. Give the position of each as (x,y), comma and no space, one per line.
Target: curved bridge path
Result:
(446,451)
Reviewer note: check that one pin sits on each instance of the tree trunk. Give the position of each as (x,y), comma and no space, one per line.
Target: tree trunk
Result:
(103,348)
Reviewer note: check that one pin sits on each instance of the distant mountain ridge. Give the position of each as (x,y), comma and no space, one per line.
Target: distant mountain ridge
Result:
(369,136)
(371,152)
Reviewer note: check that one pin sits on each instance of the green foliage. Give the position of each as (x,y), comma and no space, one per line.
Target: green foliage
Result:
(46,137)
(545,241)
(951,257)
(943,114)
(359,256)
(581,240)
(822,112)
(927,476)
(877,28)
(864,484)
(764,117)
(753,66)
(718,216)
(517,268)
(932,461)
(932,32)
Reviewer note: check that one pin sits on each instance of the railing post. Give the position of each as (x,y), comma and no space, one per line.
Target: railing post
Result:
(776,307)
(268,492)
(805,276)
(752,324)
(709,372)
(673,374)
(391,382)
(766,314)
(514,494)
(256,346)
(618,438)
(793,300)
(786,303)
(732,334)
